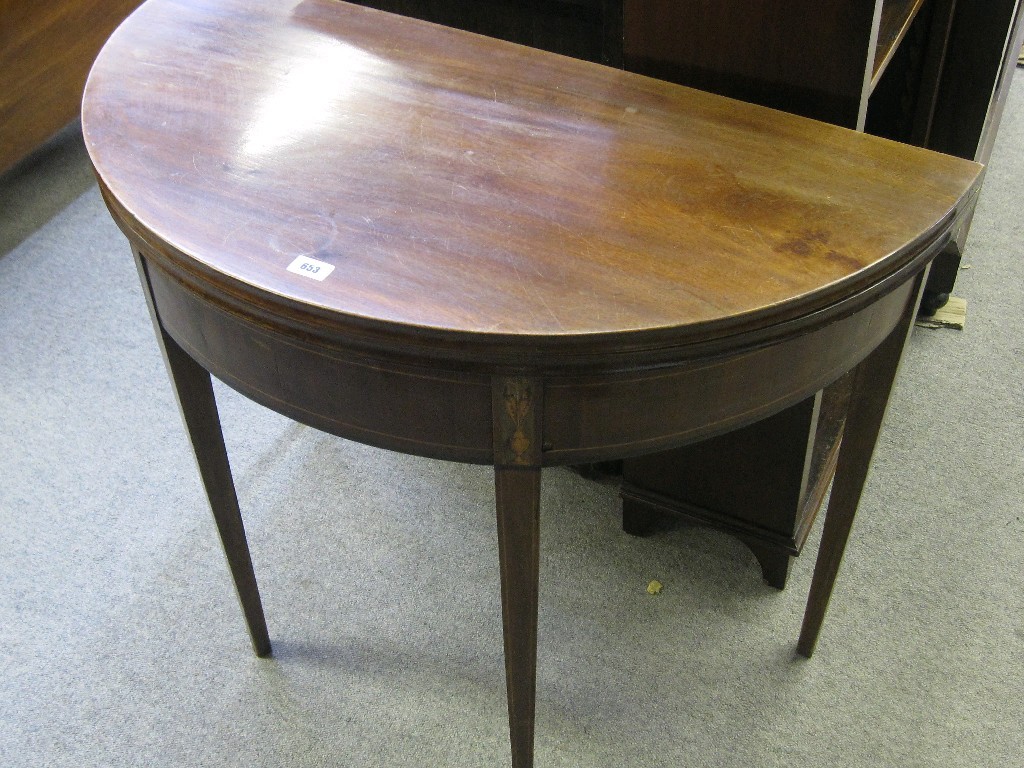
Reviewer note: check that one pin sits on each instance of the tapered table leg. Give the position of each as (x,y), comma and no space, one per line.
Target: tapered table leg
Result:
(516,407)
(517,493)
(194,390)
(872,383)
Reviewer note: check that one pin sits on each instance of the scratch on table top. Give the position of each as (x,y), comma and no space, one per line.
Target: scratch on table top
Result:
(534,293)
(752,231)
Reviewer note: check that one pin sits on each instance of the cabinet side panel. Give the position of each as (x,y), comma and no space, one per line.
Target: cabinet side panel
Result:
(985,38)
(810,57)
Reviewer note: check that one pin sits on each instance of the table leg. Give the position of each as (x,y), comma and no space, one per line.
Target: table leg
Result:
(516,407)
(872,383)
(194,390)
(517,492)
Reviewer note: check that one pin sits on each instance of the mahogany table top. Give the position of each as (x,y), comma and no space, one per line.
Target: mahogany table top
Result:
(467,189)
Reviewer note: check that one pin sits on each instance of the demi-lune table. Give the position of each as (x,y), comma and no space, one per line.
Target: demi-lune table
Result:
(446,245)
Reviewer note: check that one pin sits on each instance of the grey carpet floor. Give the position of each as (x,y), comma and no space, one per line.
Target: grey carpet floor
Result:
(121,643)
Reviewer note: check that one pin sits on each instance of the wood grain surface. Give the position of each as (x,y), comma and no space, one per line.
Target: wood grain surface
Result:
(46,49)
(468,188)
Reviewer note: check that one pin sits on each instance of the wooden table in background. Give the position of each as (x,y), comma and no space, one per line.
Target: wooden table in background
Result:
(460,248)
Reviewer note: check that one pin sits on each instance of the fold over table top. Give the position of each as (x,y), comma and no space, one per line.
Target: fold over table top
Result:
(476,191)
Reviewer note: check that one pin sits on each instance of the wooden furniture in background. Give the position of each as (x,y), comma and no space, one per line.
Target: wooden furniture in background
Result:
(763,483)
(46,49)
(970,95)
(446,245)
(583,29)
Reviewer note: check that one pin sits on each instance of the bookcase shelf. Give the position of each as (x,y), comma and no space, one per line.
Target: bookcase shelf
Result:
(895,21)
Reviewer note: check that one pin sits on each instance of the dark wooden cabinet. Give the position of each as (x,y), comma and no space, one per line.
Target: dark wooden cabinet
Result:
(584,29)
(763,484)
(932,73)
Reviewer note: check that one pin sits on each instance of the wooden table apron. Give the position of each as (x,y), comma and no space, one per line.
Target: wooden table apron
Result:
(411,401)
(688,266)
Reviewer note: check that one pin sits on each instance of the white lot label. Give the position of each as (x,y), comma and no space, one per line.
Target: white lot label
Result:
(308,267)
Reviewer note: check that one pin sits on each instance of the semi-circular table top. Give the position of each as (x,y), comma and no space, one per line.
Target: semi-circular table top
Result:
(443,244)
(487,200)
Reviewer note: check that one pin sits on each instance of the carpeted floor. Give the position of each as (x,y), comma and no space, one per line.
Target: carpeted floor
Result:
(121,643)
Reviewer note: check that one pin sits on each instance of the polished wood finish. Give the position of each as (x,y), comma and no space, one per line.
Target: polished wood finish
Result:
(667,229)
(929,57)
(828,60)
(518,424)
(536,260)
(46,49)
(517,499)
(806,57)
(915,71)
(929,72)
